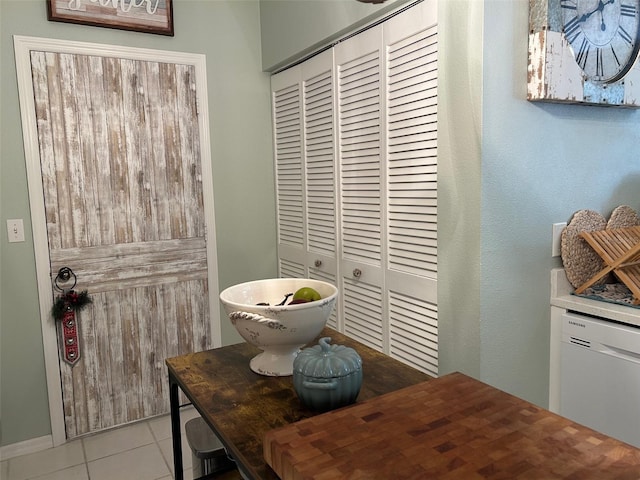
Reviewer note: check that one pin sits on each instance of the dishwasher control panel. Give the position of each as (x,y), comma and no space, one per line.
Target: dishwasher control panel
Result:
(601,335)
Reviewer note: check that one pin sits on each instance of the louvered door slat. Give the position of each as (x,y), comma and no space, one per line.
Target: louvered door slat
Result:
(410,125)
(429,247)
(406,162)
(414,231)
(412,139)
(363,117)
(409,176)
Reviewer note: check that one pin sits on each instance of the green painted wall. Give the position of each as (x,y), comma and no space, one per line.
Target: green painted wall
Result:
(228,33)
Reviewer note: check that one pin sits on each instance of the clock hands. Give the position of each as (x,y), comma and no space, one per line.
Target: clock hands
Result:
(603,26)
(599,8)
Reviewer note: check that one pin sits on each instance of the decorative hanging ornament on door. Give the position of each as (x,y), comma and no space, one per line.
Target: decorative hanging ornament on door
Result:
(64,313)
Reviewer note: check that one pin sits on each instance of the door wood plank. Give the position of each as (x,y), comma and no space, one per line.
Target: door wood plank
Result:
(104,221)
(148,199)
(133,148)
(159,164)
(200,315)
(90,377)
(172,151)
(160,343)
(131,353)
(117,153)
(103,360)
(190,151)
(143,299)
(45,140)
(72,162)
(88,196)
(57,101)
(182,305)
(116,355)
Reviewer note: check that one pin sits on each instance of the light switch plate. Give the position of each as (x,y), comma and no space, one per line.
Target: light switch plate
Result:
(557,238)
(15,230)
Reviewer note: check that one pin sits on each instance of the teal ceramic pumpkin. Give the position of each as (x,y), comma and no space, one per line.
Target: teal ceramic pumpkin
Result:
(327,376)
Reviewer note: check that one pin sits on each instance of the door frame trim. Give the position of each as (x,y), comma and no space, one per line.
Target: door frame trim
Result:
(23,45)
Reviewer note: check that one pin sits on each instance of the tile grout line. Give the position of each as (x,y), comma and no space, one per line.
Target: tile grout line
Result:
(157,443)
(86,460)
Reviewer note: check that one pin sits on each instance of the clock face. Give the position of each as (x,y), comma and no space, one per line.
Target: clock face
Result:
(604,36)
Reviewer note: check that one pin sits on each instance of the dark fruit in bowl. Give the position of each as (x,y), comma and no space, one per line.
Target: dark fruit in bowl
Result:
(297,301)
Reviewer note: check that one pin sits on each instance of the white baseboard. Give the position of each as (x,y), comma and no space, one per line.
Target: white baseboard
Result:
(28,446)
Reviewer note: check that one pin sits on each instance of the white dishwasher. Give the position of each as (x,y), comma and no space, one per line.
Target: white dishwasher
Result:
(600,375)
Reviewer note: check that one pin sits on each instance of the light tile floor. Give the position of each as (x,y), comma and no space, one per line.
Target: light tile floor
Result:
(140,451)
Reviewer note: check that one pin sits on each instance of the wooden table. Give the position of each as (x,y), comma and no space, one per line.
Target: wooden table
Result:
(453,428)
(242,406)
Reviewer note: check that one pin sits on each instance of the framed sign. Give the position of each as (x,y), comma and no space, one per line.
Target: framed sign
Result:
(149,16)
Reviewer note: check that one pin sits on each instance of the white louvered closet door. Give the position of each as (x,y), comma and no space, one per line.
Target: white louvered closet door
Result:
(360,146)
(411,45)
(320,170)
(286,93)
(305,171)
(355,132)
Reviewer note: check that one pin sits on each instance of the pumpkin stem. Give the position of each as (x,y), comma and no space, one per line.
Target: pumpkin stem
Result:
(324,344)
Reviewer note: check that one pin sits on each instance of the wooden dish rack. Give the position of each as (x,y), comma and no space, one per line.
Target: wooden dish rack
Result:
(619,248)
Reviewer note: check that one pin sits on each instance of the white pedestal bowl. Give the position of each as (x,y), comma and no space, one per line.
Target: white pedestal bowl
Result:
(279,331)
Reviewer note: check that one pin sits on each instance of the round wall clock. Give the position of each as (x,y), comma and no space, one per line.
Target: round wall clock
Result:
(584,52)
(604,36)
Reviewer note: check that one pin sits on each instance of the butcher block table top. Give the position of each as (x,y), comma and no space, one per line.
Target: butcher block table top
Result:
(453,427)
(241,406)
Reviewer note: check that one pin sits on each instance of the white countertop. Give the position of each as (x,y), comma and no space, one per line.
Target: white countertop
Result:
(561,296)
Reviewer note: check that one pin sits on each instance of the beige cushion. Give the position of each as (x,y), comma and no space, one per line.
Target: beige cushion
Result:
(580,261)
(622,217)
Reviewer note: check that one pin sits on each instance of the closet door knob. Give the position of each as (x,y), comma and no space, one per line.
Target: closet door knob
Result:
(357,272)
(317,263)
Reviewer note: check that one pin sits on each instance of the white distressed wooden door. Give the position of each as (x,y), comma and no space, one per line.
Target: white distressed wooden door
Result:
(122,182)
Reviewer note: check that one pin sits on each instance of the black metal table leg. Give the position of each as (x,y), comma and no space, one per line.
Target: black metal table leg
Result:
(175,428)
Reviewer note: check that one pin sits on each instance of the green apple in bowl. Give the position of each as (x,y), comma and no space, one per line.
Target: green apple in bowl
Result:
(305,295)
